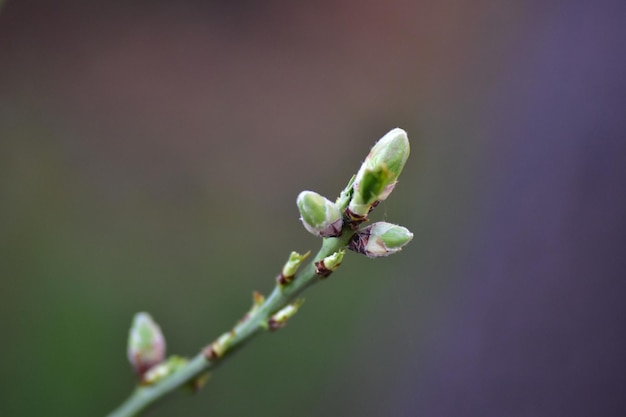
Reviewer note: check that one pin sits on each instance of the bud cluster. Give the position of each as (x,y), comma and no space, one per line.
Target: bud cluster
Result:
(373,183)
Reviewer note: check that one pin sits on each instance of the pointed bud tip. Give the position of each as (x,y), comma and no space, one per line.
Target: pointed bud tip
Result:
(392,150)
(395,236)
(291,267)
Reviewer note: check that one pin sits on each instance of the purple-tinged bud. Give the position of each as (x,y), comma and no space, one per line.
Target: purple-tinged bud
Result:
(380,239)
(146,344)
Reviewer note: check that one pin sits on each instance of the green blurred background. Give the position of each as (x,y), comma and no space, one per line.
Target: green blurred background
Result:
(151,154)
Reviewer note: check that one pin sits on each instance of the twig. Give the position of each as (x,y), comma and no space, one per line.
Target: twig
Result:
(339,225)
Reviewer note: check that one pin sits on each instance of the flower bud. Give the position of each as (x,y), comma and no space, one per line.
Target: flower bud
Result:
(326,266)
(379,172)
(280,318)
(291,267)
(146,344)
(380,239)
(319,215)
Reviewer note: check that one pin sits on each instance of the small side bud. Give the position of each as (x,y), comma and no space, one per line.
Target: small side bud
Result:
(197,383)
(319,215)
(378,173)
(163,370)
(326,266)
(146,344)
(257,301)
(291,267)
(217,349)
(380,239)
(280,318)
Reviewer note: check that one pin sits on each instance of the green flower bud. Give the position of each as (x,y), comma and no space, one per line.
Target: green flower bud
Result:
(380,239)
(329,264)
(146,344)
(291,267)
(280,318)
(379,172)
(319,215)
(373,186)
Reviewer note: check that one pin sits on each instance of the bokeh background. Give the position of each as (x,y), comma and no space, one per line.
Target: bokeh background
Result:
(151,153)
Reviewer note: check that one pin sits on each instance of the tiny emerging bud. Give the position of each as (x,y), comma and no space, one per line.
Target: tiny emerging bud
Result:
(291,267)
(379,172)
(380,239)
(319,215)
(216,349)
(146,344)
(198,382)
(326,266)
(257,301)
(163,370)
(280,318)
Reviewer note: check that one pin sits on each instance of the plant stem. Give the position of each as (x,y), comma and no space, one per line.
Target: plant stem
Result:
(281,296)
(374,181)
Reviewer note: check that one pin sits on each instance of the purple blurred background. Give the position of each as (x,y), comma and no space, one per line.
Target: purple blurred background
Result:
(151,153)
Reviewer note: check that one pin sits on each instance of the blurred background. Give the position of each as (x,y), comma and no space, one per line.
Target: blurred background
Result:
(151,154)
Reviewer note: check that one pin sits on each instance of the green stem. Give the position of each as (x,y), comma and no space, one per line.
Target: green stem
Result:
(280,297)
